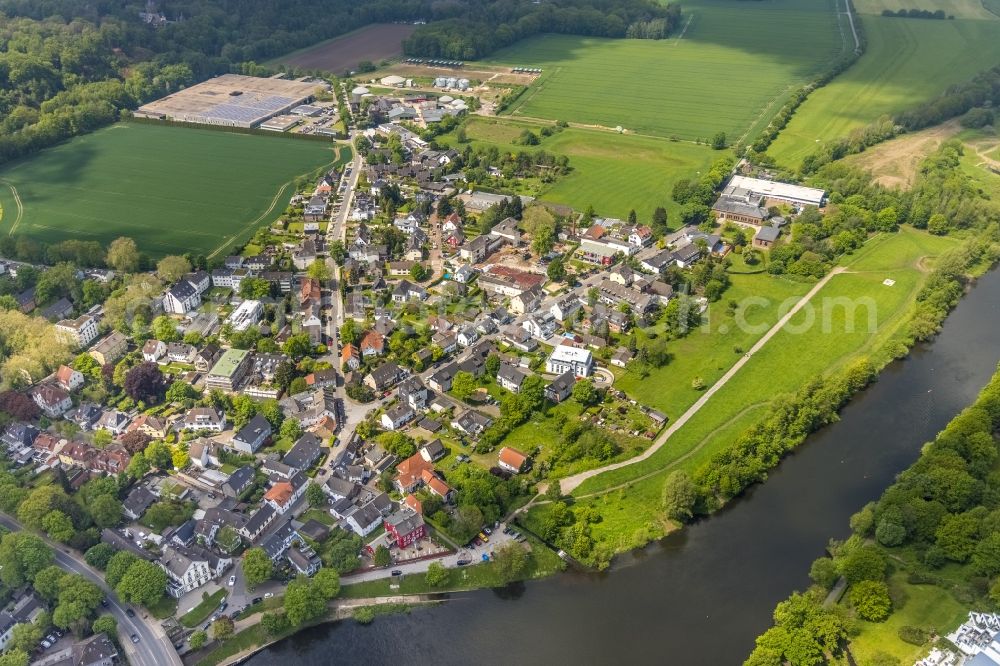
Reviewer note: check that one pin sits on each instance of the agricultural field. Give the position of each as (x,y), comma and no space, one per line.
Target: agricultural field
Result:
(172,189)
(728,69)
(615,173)
(778,368)
(372,43)
(907,61)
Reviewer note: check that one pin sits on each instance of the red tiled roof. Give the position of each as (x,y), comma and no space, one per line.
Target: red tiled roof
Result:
(512,457)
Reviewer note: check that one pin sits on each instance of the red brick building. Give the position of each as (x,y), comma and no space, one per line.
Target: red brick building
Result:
(405,527)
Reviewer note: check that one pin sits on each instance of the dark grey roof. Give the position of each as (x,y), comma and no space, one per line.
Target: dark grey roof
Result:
(768,234)
(737,207)
(253,429)
(510,374)
(564,381)
(304,452)
(240,478)
(259,519)
(138,501)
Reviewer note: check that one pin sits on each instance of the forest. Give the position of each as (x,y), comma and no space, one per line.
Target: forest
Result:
(476,29)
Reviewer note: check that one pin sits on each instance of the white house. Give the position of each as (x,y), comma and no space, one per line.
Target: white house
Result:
(153,350)
(396,418)
(565,358)
(188,568)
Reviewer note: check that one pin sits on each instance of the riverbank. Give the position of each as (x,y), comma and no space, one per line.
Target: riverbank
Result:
(863,318)
(250,637)
(918,560)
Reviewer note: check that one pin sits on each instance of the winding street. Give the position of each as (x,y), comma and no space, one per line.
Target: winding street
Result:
(153,648)
(570,483)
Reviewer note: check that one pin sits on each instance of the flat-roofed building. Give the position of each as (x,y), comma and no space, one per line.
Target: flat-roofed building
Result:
(229,371)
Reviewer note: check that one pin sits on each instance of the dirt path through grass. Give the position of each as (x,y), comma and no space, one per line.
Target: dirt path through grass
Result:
(568,484)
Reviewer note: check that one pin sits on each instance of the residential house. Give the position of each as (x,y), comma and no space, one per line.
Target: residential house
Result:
(110,348)
(407,291)
(190,567)
(52,399)
(561,387)
(519,338)
(253,435)
(621,357)
(365,520)
(472,423)
(258,522)
(397,417)
(154,426)
(181,298)
(413,393)
(153,351)
(409,473)
(204,452)
(350,358)
(68,379)
(304,453)
(382,377)
(137,502)
(85,415)
(540,325)
(283,494)
(372,344)
(565,308)
(512,460)
(78,332)
(467,336)
(405,527)
(441,379)
(446,340)
(565,358)
(510,378)
(527,301)
(339,489)
(204,418)
(238,482)
(207,357)
(310,407)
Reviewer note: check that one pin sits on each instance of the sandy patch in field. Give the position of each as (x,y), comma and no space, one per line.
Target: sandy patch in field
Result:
(895,163)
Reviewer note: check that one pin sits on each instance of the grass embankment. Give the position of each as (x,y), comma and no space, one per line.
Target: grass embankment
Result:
(907,61)
(202,611)
(172,189)
(629,499)
(686,85)
(612,172)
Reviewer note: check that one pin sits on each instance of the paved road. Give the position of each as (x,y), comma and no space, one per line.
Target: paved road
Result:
(154,648)
(568,484)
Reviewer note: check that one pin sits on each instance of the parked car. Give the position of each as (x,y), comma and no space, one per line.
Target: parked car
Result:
(257,600)
(462,563)
(488,530)
(130,612)
(268,595)
(135,638)
(45,644)
(232,581)
(397,572)
(484,538)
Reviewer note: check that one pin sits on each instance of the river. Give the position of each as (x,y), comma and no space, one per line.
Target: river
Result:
(702,595)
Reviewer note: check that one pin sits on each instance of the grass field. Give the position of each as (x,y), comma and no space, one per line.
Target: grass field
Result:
(729,71)
(907,61)
(172,189)
(779,368)
(612,172)
(924,606)
(373,43)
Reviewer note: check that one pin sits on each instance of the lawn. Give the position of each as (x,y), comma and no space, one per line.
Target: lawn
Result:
(835,338)
(923,606)
(202,611)
(614,173)
(317,515)
(907,62)
(172,189)
(729,70)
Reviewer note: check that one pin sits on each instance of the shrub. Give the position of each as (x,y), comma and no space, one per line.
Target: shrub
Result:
(913,635)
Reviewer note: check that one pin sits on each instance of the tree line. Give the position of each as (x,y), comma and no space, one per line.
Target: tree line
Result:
(476,29)
(917,13)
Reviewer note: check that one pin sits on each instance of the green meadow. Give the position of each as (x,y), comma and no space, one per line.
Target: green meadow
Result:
(629,498)
(172,189)
(613,172)
(907,61)
(728,69)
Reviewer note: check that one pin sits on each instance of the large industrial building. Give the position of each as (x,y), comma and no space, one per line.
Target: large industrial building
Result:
(232,100)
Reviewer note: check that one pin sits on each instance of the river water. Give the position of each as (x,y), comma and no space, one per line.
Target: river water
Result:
(699,596)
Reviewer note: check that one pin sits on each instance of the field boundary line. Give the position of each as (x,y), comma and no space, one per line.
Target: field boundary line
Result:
(18,203)
(274,202)
(684,30)
(570,483)
(539,86)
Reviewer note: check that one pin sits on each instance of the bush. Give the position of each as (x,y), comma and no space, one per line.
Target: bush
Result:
(364,615)
(913,635)
(871,600)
